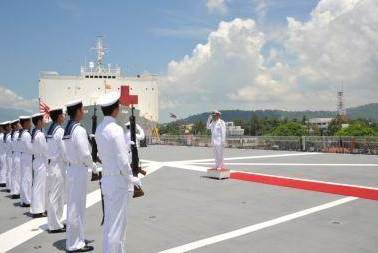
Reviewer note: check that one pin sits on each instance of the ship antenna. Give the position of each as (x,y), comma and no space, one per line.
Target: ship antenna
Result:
(100,49)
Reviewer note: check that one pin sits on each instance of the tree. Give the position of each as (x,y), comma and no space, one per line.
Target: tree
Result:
(199,128)
(357,129)
(289,129)
(335,125)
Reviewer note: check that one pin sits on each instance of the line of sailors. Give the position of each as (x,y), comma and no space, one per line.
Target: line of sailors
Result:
(47,170)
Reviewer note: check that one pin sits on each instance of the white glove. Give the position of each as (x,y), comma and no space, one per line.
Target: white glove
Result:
(132,143)
(135,181)
(94,168)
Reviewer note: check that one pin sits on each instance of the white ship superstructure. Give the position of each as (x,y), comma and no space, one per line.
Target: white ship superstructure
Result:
(96,79)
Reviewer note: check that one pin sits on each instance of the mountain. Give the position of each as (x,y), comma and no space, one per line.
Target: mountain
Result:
(368,111)
(11,114)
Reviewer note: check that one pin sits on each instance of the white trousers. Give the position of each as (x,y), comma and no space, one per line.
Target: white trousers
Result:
(56,177)
(9,171)
(115,190)
(3,169)
(218,154)
(16,174)
(38,200)
(77,177)
(26,178)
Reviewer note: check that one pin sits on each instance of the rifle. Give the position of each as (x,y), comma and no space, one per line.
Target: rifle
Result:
(135,165)
(96,159)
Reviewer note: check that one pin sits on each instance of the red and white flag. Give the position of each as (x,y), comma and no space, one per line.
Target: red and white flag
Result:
(45,109)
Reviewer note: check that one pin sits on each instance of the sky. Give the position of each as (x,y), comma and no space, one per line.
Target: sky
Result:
(210,54)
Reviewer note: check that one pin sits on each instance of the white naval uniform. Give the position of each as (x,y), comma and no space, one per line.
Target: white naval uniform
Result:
(16,169)
(78,154)
(38,204)
(3,166)
(26,167)
(218,140)
(115,181)
(56,177)
(8,152)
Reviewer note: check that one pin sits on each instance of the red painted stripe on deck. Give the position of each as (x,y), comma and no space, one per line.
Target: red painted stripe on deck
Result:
(326,187)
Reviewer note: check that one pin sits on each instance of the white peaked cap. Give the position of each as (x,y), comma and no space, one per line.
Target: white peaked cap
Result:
(38,115)
(14,121)
(6,123)
(56,109)
(25,117)
(74,102)
(108,99)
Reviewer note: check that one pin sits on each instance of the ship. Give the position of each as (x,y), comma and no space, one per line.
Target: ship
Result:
(97,78)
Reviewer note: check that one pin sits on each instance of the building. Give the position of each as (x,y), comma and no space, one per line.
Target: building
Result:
(321,123)
(96,79)
(232,130)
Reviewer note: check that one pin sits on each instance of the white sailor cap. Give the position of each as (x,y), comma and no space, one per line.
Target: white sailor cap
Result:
(217,112)
(25,117)
(74,103)
(127,123)
(40,114)
(108,99)
(56,109)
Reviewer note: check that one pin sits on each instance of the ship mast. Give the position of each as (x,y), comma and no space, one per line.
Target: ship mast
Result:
(100,50)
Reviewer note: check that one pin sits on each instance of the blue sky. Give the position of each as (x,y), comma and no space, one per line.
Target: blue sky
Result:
(211,54)
(141,35)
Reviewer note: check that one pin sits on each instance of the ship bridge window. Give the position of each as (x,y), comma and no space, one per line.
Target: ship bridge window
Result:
(91,76)
(113,77)
(95,76)
(86,76)
(100,76)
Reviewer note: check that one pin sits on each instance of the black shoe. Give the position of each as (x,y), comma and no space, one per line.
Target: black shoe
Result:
(56,231)
(24,205)
(38,215)
(86,248)
(7,190)
(15,196)
(3,185)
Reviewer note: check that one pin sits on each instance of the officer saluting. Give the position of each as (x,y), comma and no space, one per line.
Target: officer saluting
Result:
(78,154)
(116,174)
(39,146)
(26,150)
(56,172)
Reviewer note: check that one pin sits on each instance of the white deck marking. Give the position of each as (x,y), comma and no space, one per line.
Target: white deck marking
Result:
(247,157)
(24,232)
(253,228)
(299,164)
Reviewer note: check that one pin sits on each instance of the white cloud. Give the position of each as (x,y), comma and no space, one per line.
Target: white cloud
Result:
(337,45)
(260,8)
(217,6)
(9,99)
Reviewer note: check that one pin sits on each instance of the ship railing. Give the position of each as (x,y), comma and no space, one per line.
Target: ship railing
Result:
(329,144)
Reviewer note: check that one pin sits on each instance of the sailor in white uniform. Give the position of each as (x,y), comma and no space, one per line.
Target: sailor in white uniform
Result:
(78,154)
(39,146)
(16,169)
(139,135)
(10,153)
(24,146)
(56,172)
(218,137)
(116,174)
(7,130)
(3,167)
